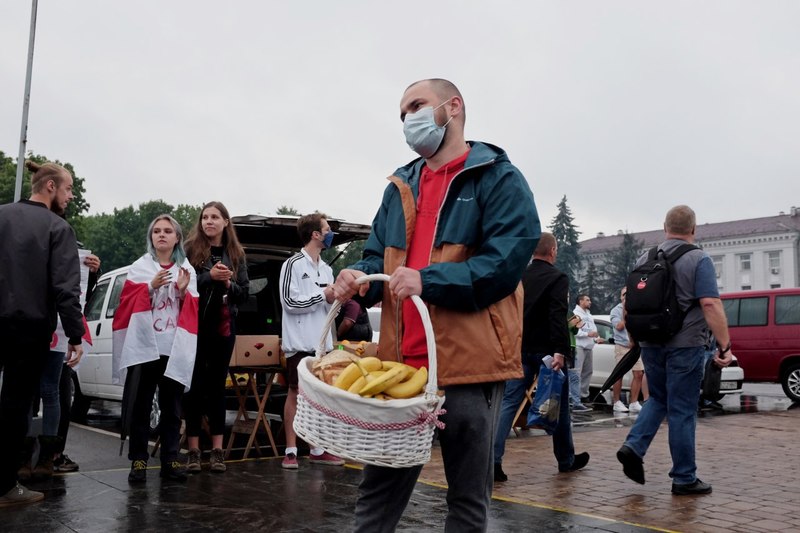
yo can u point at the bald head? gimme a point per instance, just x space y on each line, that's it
444 90
680 220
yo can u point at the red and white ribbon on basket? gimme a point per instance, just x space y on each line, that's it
423 419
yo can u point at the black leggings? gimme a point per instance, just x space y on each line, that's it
170 393
65 399
207 395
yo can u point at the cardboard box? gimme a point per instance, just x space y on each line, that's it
256 350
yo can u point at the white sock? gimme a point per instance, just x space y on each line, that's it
291 450
317 451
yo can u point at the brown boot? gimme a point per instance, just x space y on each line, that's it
44 466
26 455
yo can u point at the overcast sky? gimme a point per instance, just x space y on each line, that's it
626 107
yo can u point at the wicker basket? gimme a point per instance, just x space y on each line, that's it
392 433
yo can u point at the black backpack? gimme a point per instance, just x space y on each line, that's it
652 313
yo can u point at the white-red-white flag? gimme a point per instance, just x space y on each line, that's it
150 323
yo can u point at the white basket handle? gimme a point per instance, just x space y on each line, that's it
433 382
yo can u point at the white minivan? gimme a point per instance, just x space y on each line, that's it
94 371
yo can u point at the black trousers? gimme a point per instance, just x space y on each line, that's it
207 395
170 393
65 400
22 359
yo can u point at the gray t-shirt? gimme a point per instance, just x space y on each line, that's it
694 279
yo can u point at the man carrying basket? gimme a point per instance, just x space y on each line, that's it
457 228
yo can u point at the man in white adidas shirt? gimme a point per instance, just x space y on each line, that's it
306 297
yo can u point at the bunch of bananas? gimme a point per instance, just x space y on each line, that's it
331 365
386 380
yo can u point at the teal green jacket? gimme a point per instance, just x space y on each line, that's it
486 232
489 209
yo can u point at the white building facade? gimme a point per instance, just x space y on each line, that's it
753 254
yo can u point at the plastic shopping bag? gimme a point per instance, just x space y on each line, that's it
547 401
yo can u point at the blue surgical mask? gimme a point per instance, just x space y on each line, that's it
327 240
423 135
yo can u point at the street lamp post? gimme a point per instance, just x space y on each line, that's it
23 135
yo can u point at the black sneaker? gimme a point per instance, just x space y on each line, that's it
63 463
631 464
173 470
698 487
138 472
499 475
578 462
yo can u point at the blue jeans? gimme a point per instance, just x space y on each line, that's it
48 389
574 386
674 376
563 447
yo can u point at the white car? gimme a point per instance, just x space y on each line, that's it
604 362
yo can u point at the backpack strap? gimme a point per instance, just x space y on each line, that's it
677 254
679 251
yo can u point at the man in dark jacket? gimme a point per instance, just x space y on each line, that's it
544 332
39 277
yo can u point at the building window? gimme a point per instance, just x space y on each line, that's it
774 259
746 287
774 285
717 259
744 262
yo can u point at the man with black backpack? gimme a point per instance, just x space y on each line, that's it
672 300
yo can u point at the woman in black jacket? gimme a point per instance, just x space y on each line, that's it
215 252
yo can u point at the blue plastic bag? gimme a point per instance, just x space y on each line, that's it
547 401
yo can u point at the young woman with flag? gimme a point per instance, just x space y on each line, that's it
155 340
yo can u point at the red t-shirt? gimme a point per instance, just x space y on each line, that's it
433 185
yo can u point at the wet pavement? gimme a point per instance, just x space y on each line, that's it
748 451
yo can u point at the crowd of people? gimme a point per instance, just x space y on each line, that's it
457 226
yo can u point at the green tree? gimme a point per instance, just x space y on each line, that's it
120 238
187 216
343 256
8 179
287 210
566 234
619 262
595 284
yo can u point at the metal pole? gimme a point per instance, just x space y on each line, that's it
23 134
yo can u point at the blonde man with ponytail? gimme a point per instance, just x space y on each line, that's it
39 278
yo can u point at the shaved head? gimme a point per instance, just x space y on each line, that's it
444 89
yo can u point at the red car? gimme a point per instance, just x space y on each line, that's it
765 333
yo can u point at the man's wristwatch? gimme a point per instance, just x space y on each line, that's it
726 349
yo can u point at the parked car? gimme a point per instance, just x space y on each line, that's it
267 240
604 362
765 334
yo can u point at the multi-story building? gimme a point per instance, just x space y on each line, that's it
757 253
